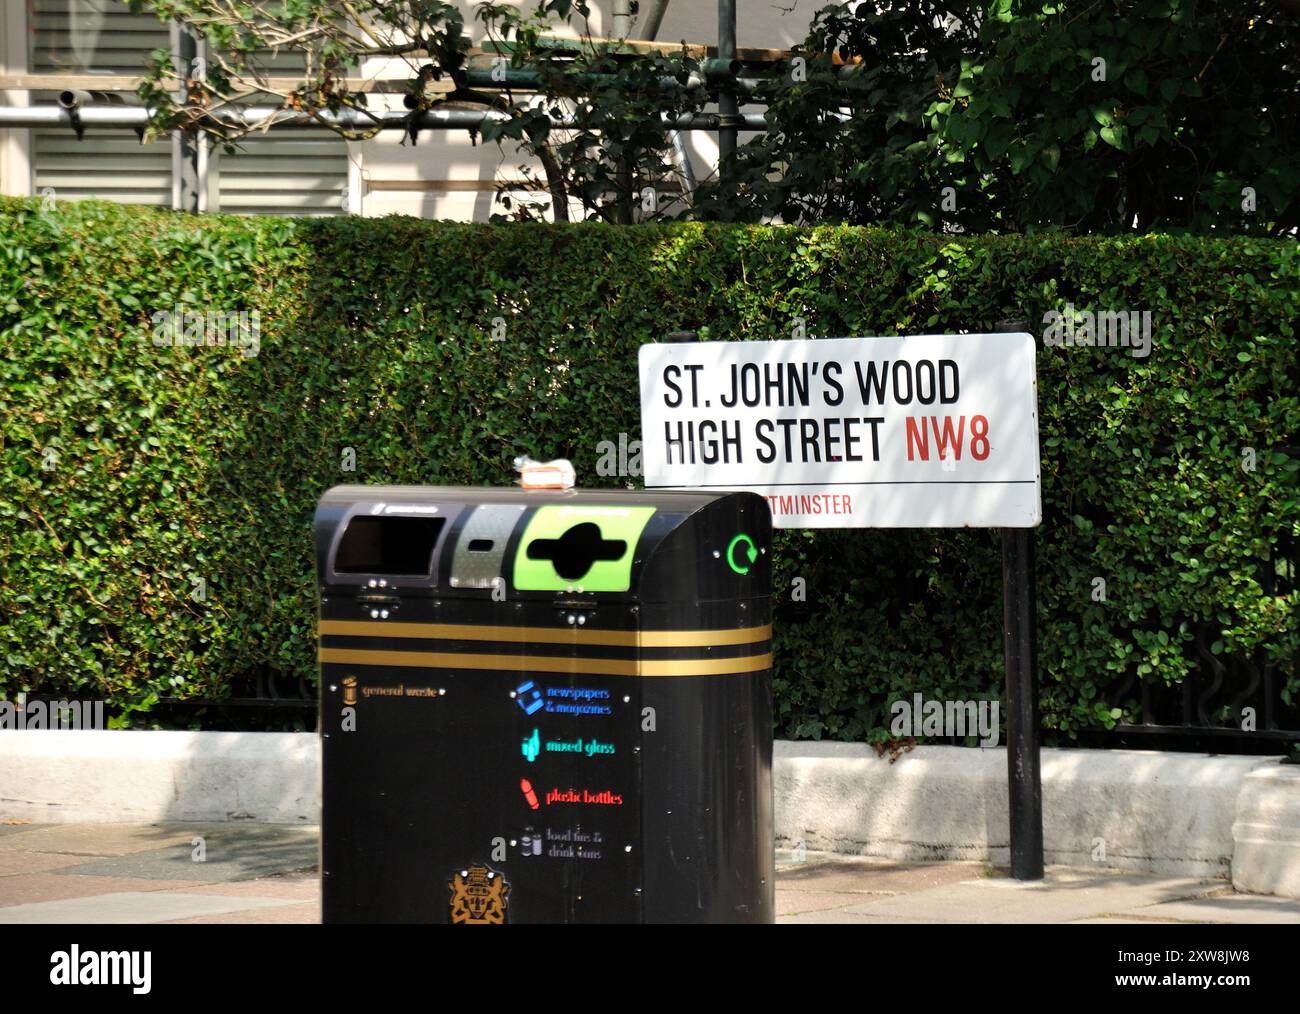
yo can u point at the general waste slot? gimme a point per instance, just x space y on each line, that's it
545 706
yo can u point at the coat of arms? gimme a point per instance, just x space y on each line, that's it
478 897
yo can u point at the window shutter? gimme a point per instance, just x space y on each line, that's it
284 171
294 172
96 37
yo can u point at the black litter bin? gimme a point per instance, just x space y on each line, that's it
545 706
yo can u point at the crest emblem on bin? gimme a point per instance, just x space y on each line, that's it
478 897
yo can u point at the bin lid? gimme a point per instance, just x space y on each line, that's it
625 543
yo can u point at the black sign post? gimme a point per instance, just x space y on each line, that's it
1020 647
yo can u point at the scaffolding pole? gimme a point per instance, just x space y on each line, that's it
728 109
137 118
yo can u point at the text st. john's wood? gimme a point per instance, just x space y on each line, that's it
927 431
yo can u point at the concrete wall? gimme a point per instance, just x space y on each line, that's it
1189 814
1266 833
1124 809
68 777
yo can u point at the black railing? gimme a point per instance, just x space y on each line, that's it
1205 711
1209 708
261 701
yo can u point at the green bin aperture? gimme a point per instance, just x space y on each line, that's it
545 706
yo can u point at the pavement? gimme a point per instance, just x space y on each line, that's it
267 873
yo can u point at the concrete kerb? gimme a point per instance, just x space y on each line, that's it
1165 813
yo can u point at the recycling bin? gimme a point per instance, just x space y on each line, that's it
545 706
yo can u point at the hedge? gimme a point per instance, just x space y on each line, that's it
156 501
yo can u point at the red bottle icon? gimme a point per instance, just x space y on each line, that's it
526 787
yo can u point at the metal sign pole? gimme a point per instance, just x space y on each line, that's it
1020 647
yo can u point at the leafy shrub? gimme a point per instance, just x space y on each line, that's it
133 471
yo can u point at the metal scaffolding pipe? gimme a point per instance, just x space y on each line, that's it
622 18
712 72
58 116
654 19
71 98
727 107
681 156
137 118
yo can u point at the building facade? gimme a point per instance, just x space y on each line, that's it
47 46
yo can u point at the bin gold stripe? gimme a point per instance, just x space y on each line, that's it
549 663
550 635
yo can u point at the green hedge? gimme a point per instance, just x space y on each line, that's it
132 471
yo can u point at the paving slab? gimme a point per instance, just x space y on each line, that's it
1062 896
227 857
267 873
94 839
285 888
800 902
13 864
39 887
840 917
300 913
1224 907
132 907
875 876
8 827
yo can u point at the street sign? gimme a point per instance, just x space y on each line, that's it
932 431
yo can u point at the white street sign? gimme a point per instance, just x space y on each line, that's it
933 431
